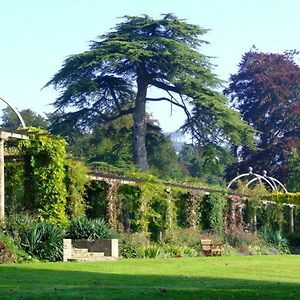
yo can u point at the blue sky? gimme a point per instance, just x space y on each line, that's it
37 35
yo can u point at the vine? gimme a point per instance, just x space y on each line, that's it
212 212
46 168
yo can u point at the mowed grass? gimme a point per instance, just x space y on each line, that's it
238 277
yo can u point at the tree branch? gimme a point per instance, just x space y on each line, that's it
164 86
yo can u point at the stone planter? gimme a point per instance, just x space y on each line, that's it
90 250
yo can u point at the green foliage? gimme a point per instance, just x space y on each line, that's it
16 223
111 80
249 213
132 245
138 246
31 119
6 255
212 212
95 196
294 239
47 167
43 240
271 216
14 186
280 198
76 180
129 196
157 212
162 158
293 182
274 238
183 237
83 228
39 239
207 163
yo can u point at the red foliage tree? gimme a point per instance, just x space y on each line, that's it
266 90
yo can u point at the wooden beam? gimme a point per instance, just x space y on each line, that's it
4 135
2 203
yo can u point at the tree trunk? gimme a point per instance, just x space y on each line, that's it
139 127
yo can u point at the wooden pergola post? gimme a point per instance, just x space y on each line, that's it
2 205
5 135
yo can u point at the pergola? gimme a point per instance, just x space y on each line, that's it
7 134
275 186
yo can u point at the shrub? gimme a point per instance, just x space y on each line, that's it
274 238
173 251
15 224
237 238
294 239
152 251
43 240
189 237
19 255
83 228
6 255
133 245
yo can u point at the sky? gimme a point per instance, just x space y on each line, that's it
38 35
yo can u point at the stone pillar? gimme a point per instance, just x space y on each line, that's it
111 205
291 219
67 249
255 220
2 204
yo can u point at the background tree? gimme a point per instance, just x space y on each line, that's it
293 182
112 78
10 119
111 143
266 91
207 163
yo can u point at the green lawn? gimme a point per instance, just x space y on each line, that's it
238 277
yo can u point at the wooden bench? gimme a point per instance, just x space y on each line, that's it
209 248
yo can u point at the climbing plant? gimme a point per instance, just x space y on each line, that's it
129 196
95 196
75 180
212 212
45 157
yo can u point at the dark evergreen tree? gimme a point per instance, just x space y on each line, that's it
112 78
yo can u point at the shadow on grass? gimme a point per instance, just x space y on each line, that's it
25 283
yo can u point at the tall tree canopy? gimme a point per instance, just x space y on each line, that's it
266 90
31 118
112 78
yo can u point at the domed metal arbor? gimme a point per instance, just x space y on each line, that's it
272 182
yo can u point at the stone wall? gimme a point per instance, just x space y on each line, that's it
106 248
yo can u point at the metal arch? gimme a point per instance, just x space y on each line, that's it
274 188
236 178
272 182
16 112
244 175
277 181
